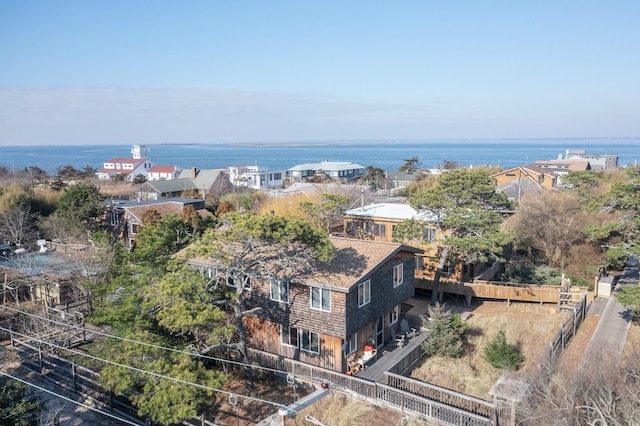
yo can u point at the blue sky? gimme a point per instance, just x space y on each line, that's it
121 71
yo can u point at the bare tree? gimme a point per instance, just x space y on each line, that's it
16 224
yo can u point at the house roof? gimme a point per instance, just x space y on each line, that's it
171 185
163 169
397 211
577 165
204 178
126 160
327 166
164 209
353 261
402 176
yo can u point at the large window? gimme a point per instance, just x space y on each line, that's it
397 275
309 341
429 234
380 229
289 336
321 299
364 293
280 291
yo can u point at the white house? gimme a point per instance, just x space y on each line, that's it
163 173
131 167
255 177
340 170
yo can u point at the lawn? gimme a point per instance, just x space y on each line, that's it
528 326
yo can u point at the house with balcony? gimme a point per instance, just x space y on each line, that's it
334 309
343 171
138 164
377 222
256 177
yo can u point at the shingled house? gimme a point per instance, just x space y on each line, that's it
324 316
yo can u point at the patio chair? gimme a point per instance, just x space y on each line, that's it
406 330
399 340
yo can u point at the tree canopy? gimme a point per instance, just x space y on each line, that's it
465 208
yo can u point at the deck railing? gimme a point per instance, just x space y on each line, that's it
383 394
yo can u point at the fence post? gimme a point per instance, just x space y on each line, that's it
73 376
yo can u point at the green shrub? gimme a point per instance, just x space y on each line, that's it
501 354
445 333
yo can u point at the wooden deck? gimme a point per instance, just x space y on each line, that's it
388 357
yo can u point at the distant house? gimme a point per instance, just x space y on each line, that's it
130 167
255 177
339 170
322 317
598 162
163 173
377 221
539 177
191 182
126 216
399 180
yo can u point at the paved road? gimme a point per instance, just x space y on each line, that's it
611 334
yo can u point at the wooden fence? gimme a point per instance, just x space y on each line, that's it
73 378
383 394
436 393
568 329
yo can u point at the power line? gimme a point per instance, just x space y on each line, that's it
69 399
139 370
125 339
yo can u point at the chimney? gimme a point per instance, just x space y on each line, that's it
194 172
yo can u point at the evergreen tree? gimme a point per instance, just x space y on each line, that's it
445 333
500 354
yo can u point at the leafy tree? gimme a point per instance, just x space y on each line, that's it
445 333
119 177
464 207
411 165
57 184
163 400
249 246
18 406
139 179
328 212
88 171
501 354
37 173
182 303
68 172
629 296
374 177
158 239
81 205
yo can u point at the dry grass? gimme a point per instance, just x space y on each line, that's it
632 347
528 326
122 190
340 410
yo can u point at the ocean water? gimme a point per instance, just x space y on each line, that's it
385 155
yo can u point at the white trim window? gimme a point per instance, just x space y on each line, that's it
280 291
289 336
364 293
321 299
351 345
309 341
398 277
394 315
